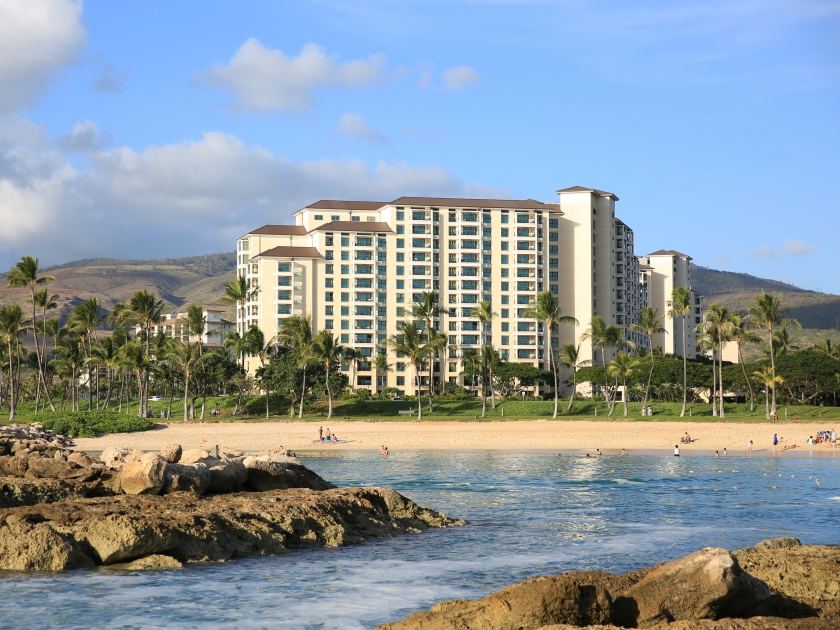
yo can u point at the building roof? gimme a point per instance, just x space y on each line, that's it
600 193
458 202
285 251
280 230
644 267
338 204
353 226
670 252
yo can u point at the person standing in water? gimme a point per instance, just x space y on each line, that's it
676 450
749 447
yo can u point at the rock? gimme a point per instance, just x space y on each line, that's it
227 476
193 455
155 561
135 455
114 456
16 492
560 599
187 478
13 466
143 476
171 453
755 623
39 547
803 579
119 537
271 475
708 584
80 459
50 468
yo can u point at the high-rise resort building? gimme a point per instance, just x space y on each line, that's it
356 267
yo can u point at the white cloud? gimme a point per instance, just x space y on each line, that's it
37 39
266 80
109 80
425 80
459 78
355 126
177 199
791 246
83 138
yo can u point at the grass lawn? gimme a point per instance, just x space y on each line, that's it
470 410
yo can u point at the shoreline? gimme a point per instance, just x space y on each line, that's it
550 436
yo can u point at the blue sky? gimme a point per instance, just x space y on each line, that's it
145 129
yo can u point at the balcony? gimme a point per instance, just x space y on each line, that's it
360 338
363 297
363 255
364 324
362 241
525 246
469 271
364 269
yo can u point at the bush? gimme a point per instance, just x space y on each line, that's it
90 423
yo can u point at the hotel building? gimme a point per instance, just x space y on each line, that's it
356 266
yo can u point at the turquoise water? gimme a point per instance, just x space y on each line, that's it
529 514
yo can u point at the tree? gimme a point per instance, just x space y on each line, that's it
408 341
716 322
237 344
238 291
768 313
621 367
783 343
70 359
45 302
25 275
569 357
484 314
649 322
547 309
296 332
259 347
769 380
353 358
13 324
327 351
104 354
380 363
741 329
603 337
828 348
680 307
85 320
185 357
426 308
707 342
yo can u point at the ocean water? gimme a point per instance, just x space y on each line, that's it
529 514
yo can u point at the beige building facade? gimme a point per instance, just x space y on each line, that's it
356 267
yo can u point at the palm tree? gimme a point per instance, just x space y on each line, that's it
621 367
547 309
828 348
25 274
649 322
769 314
238 345
707 343
680 307
45 302
196 325
408 341
603 337
259 347
13 324
296 332
769 380
426 308
784 343
238 291
85 320
716 321
353 357
484 314
741 329
569 357
105 354
184 356
380 363
326 350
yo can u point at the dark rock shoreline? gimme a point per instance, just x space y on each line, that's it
778 584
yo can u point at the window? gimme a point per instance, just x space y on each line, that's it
418 284
401 381
345 255
364 283
469 285
400 366
552 236
401 284
552 262
345 283
486 246
284 309
553 288
400 311
505 261
400 242
328 324
469 230
328 283
345 297
401 298
505 246
345 241
418 242
505 232
486 232
381 257
345 337
400 229
505 300
328 269
364 269
400 215
523 299
485 218
523 286
505 340
355 218
381 242
345 269
285 281
319 217
470 298
284 267
328 240
400 270
469 216
505 285
486 285
345 311
382 325
486 272
552 249
328 254
328 296
335 217
552 275
505 218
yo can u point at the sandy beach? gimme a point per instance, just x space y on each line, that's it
510 435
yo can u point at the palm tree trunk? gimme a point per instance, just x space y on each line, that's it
419 397
714 385
484 385
767 402
64 398
122 385
267 400
613 401
685 368
606 381
720 375
773 369
11 384
553 365
624 398
647 389
41 379
97 388
746 378
329 393
431 362
108 393
302 393
492 389
574 388
186 395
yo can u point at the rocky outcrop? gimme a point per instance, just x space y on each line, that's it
709 589
189 528
143 474
171 453
269 472
193 478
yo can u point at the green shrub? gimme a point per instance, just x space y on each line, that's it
91 423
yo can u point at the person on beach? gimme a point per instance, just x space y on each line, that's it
687 438
724 451
749 447
328 435
321 434
775 442
676 450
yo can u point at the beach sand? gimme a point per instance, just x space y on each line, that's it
580 435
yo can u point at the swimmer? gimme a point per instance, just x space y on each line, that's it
588 456
724 451
676 450
597 451
717 454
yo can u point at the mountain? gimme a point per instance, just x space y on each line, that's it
178 281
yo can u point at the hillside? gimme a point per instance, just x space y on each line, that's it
178 281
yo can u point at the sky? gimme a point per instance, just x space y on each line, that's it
162 129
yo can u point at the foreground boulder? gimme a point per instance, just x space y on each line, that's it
280 472
188 528
193 478
143 474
